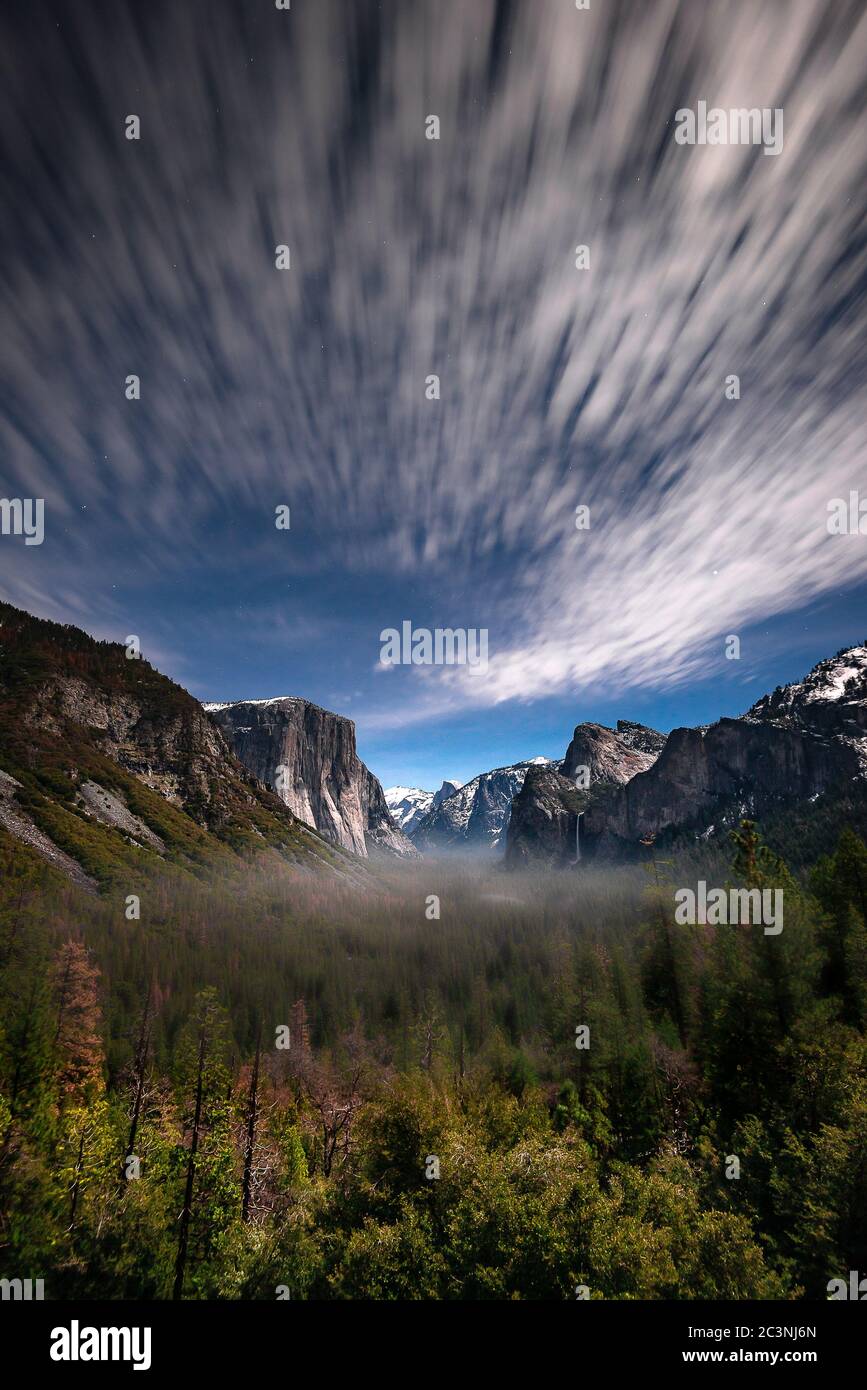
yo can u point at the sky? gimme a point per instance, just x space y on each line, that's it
409 257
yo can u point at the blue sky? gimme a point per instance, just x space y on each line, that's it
559 387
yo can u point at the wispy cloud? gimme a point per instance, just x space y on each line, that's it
559 387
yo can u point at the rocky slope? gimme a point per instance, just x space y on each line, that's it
409 805
110 767
476 816
308 756
830 701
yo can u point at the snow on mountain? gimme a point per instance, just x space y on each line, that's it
409 805
837 682
212 706
831 702
799 743
477 814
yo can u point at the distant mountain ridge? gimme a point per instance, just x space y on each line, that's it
477 814
409 805
801 742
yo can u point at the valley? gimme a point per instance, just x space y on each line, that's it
346 999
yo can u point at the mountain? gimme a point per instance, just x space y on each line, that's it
108 768
786 760
476 815
609 755
307 754
543 824
800 743
830 701
409 805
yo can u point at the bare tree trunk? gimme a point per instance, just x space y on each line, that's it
77 1183
141 1055
181 1261
251 1132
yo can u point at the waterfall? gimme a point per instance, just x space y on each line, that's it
578 837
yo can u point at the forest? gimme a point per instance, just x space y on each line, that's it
281 1085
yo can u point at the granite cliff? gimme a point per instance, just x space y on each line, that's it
613 756
542 826
790 748
308 756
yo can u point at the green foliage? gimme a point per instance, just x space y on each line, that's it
555 1167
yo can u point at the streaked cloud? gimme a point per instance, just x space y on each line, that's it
409 257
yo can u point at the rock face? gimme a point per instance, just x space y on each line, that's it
752 767
543 827
446 790
308 756
409 805
476 816
790 747
613 757
143 722
22 827
543 823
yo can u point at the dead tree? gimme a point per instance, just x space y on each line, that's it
181 1261
140 1065
251 1131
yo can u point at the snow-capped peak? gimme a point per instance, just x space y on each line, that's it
838 680
478 812
834 690
842 677
408 805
